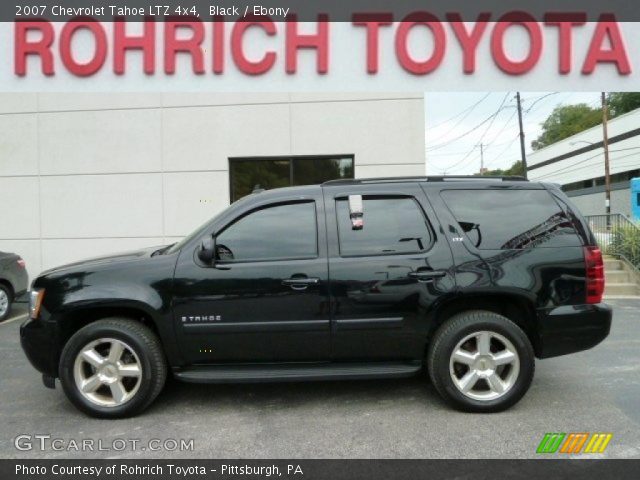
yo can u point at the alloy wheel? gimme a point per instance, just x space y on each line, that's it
484 365
107 372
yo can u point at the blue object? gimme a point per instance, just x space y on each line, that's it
635 199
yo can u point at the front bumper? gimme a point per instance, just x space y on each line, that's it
572 328
39 339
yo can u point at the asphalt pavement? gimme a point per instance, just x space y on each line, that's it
593 391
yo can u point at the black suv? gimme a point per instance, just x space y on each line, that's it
469 278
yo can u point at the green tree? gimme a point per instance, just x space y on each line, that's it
622 102
514 170
565 121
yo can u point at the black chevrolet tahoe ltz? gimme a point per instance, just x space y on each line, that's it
468 278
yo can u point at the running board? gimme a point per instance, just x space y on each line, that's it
295 372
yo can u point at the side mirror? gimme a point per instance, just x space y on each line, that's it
207 250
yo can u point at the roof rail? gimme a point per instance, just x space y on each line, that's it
504 178
438 178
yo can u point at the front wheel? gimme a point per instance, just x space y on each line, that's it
481 362
112 368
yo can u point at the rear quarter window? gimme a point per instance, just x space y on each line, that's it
510 219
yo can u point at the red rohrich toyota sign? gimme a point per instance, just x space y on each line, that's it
420 42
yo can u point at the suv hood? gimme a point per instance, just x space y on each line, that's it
130 256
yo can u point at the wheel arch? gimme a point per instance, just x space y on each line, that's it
76 318
516 307
73 319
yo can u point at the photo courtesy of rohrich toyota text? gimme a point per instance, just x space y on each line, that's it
319 239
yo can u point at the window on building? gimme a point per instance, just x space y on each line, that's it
274 233
248 173
616 178
391 226
510 219
581 185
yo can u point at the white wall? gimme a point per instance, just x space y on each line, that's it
87 174
623 155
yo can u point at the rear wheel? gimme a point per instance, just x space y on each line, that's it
481 362
112 368
5 303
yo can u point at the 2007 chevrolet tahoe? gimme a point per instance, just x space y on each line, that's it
468 278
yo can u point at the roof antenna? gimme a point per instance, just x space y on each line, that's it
257 188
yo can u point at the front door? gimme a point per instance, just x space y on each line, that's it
386 276
266 298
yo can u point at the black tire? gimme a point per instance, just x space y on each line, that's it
454 331
7 292
142 341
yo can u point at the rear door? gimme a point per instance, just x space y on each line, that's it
384 277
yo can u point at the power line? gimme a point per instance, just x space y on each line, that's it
525 112
504 151
506 124
479 143
468 109
532 116
488 119
491 120
446 154
538 100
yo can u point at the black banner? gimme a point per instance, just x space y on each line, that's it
336 11
319 469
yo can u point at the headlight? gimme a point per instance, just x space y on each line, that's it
35 301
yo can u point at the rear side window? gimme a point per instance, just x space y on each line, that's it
392 225
510 219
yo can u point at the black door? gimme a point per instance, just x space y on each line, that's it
386 276
266 299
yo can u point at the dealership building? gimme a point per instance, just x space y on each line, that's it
577 163
89 174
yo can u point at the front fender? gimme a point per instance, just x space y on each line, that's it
67 312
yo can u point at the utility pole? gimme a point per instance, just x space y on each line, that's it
522 153
605 143
481 160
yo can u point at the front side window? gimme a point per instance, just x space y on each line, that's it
390 226
510 219
286 231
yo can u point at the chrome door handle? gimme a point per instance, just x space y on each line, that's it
427 275
300 283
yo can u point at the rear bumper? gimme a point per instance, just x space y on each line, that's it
572 328
38 340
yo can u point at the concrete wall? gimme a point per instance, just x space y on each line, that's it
593 204
87 174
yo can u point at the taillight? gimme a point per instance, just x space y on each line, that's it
21 263
595 274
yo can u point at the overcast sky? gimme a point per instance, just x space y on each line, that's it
455 128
